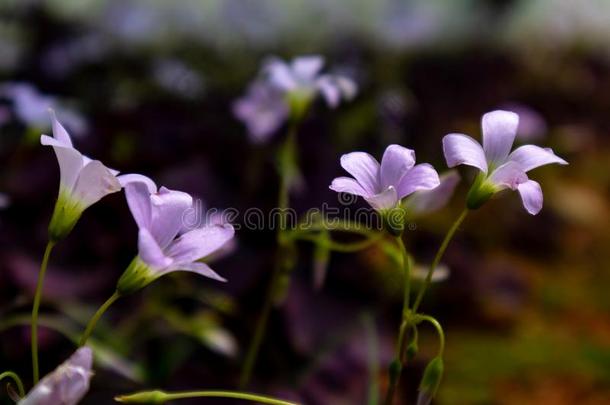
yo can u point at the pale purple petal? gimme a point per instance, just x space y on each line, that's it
499 131
347 86
150 251
125 179
395 163
330 91
168 210
199 268
461 149
531 195
280 75
305 68
420 177
426 201
348 185
200 243
384 200
508 175
365 170
70 161
532 156
59 132
94 182
138 199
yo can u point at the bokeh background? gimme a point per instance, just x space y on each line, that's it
147 86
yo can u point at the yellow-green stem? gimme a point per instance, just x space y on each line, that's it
96 317
162 397
439 330
36 306
15 377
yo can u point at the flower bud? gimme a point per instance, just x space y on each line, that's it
137 276
145 397
412 349
65 216
430 381
395 369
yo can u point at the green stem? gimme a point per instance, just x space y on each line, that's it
438 257
439 330
35 308
15 377
339 246
96 317
159 397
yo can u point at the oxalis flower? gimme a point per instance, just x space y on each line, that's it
67 385
82 182
500 169
163 244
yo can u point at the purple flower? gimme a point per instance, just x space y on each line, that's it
263 110
500 169
82 181
67 385
383 186
427 201
162 247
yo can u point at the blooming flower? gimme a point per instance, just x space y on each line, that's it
427 201
82 182
162 247
67 385
383 186
500 169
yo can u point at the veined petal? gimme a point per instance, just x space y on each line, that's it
70 161
94 182
168 209
531 195
197 267
305 68
395 163
348 185
150 252
460 149
59 132
421 177
431 200
200 243
532 156
499 130
364 168
384 200
508 175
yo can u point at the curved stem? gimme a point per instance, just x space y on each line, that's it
15 377
162 397
96 317
438 257
35 308
341 247
439 330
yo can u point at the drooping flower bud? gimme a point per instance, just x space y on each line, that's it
430 381
144 397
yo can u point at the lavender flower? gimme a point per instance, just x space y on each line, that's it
427 201
383 186
159 216
82 182
500 169
67 385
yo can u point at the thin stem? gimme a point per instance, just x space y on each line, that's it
373 358
96 317
439 330
15 377
339 246
438 257
35 308
164 397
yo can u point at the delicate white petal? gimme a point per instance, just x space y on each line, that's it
150 251
197 267
125 179
348 185
59 132
200 243
531 195
384 200
508 175
461 149
432 200
168 210
305 68
365 170
70 161
395 163
420 177
94 182
499 131
532 156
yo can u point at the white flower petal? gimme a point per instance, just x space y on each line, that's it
532 156
499 131
59 132
94 182
70 161
531 195
461 149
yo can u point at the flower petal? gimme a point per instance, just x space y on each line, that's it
126 179
364 168
499 130
138 195
305 68
461 149
395 163
70 161
426 201
330 91
384 200
532 156
168 210
197 267
420 177
531 195
280 75
200 243
348 185
508 175
150 252
59 132
94 182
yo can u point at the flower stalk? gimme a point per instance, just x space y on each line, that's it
15 377
96 317
160 397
